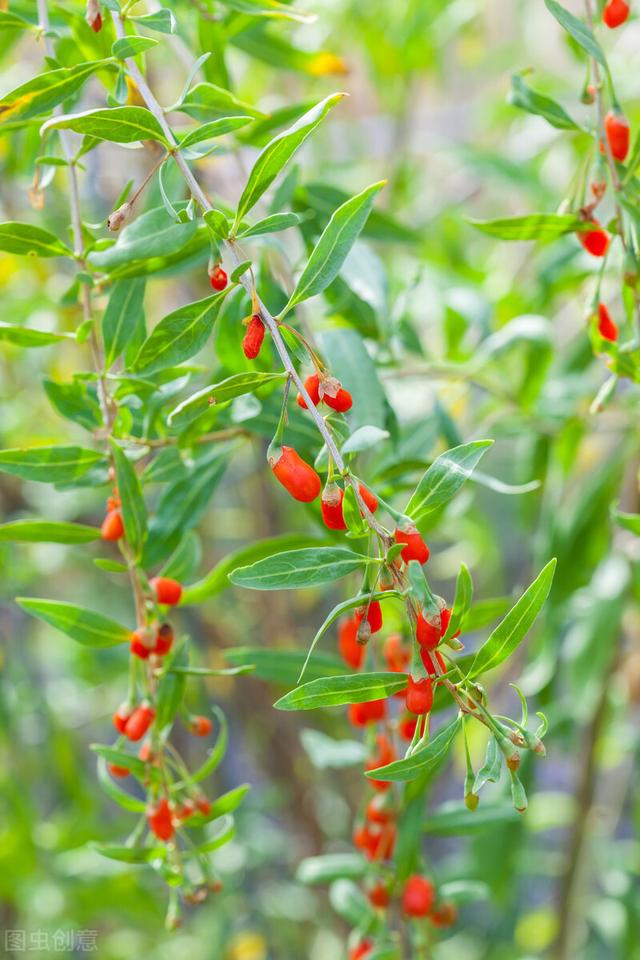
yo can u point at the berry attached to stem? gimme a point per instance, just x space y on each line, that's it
295 475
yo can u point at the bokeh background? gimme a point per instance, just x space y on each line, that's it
472 338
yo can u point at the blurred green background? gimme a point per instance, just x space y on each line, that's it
471 338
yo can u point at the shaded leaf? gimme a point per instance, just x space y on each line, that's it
298 568
86 627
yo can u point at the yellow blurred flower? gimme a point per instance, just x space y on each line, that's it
248 946
325 63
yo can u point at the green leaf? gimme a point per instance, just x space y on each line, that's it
427 759
235 386
118 124
153 234
121 797
336 691
86 627
515 626
461 601
331 866
75 402
491 768
366 437
454 819
283 666
578 30
126 47
269 8
27 337
122 759
444 477
50 464
218 223
123 320
46 91
278 152
349 360
628 521
171 689
162 21
335 242
350 903
216 128
228 802
206 99
180 335
298 568
47 531
525 98
217 579
134 514
27 240
129 854
534 226
273 224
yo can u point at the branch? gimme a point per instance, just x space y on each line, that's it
231 248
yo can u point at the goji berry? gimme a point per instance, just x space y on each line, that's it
379 895
311 385
160 819
606 327
140 721
360 714
370 500
618 134
385 755
143 642
595 240
112 526
167 591
615 13
427 657
252 340
164 639
444 915
218 278
378 810
407 727
203 805
296 476
396 655
331 507
121 716
374 615
145 753
362 950
419 696
200 726
350 650
416 548
117 771
428 632
341 402
418 896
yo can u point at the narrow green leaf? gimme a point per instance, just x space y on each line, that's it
117 124
113 791
444 477
273 224
213 129
269 8
162 21
123 320
26 240
578 30
180 335
461 601
298 568
129 854
428 758
27 337
331 866
50 464
515 626
75 401
278 152
126 47
336 691
44 92
283 666
134 514
86 627
150 235
47 531
525 98
628 521
350 903
235 386
534 226
491 768
454 819
335 242
206 100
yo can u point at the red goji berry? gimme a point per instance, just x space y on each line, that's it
370 500
428 632
341 402
200 726
374 615
444 915
378 810
252 340
203 805
360 714
615 13
407 727
218 278
427 657
145 753
311 385
117 771
331 507
350 650
419 696
379 895
296 476
167 591
121 716
416 548
142 642
164 639
606 327
418 896
395 654
140 721
362 950
112 526
160 819
385 754
618 134
595 240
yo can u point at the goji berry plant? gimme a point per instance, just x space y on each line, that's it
257 399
